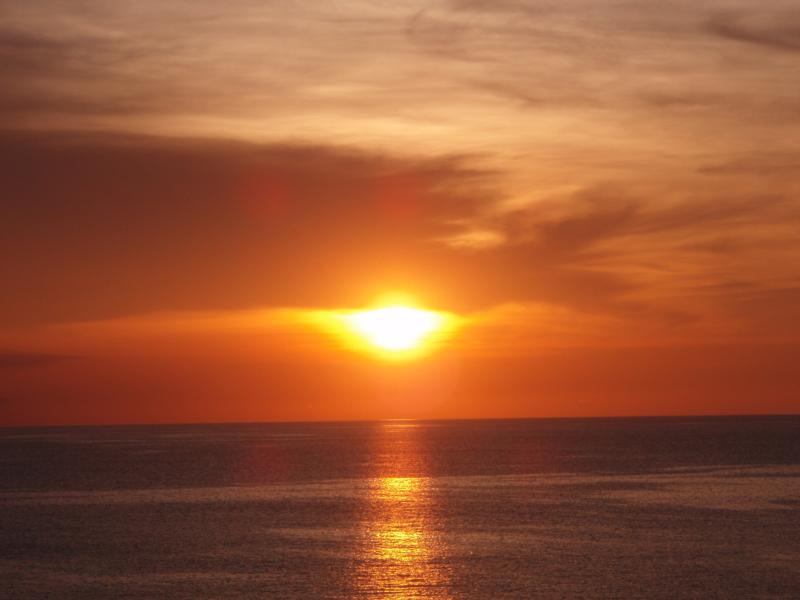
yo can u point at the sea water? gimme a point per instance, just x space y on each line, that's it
592 508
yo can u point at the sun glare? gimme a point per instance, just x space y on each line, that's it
392 329
395 328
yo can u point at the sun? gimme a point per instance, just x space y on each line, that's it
395 328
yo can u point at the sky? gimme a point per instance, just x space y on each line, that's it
603 194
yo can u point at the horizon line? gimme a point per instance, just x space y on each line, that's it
423 420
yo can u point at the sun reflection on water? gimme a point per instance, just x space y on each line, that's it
402 552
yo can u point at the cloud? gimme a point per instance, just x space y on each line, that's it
97 226
554 84
367 171
17 360
123 225
774 29
765 164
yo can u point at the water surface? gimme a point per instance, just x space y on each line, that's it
595 508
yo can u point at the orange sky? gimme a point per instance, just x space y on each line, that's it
604 194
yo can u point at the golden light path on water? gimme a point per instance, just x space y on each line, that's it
402 552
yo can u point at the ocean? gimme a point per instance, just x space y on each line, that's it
700 507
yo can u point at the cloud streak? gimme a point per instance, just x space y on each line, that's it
522 152
123 225
24 360
778 30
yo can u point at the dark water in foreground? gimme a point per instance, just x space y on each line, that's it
617 508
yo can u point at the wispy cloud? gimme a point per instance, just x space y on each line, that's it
132 224
610 158
774 29
23 360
